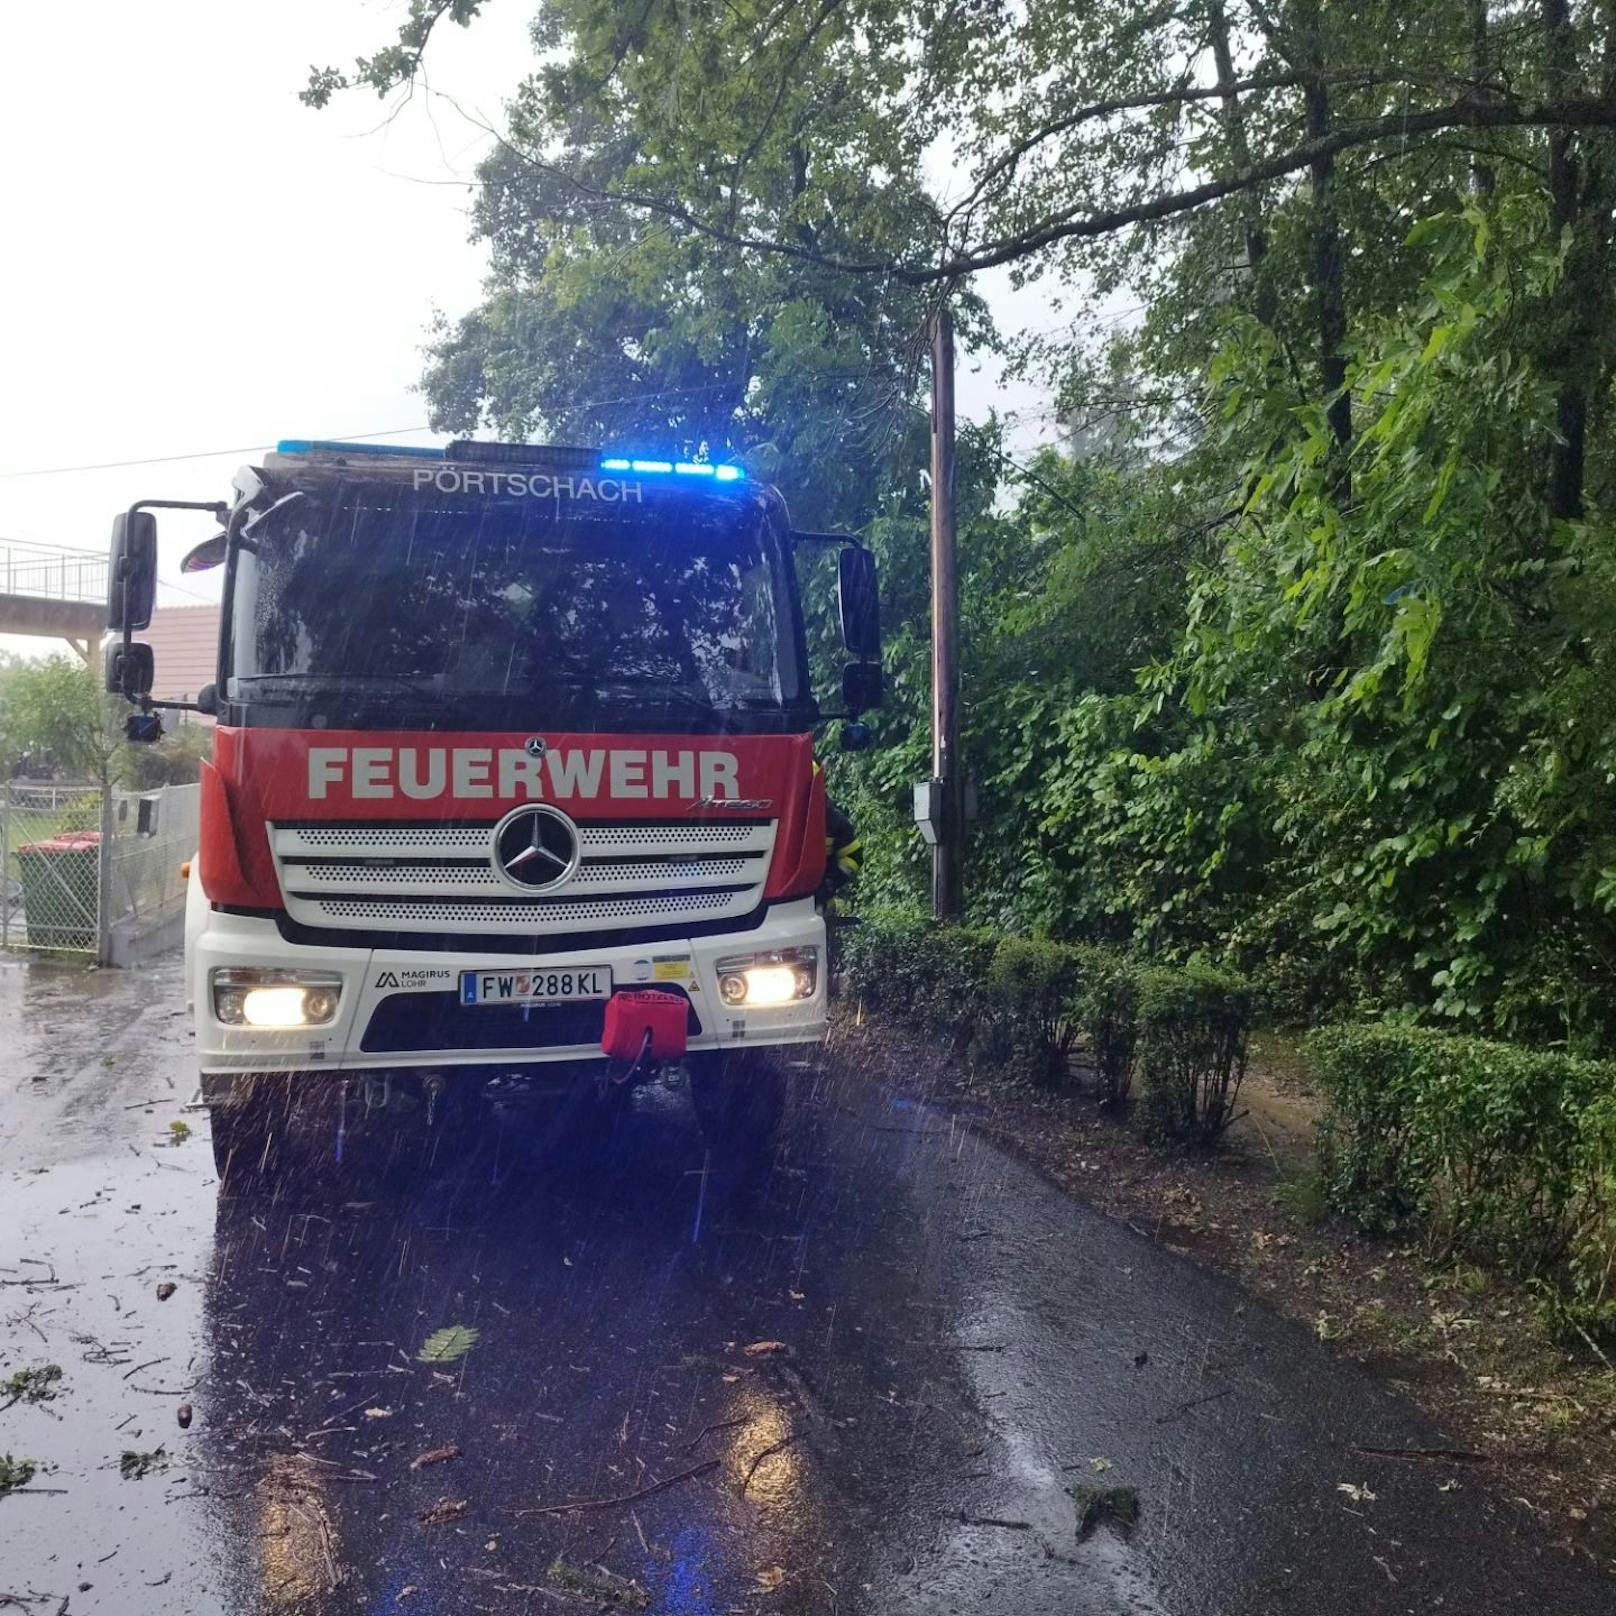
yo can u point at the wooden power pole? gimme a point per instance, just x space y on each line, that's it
947 854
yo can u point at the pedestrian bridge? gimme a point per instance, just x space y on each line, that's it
54 593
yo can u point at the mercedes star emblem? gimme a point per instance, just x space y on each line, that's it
536 746
536 848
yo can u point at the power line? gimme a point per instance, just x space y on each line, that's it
198 454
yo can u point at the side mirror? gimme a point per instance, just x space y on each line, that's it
862 687
130 669
132 575
855 737
143 728
858 599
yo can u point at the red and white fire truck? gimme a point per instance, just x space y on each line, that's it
513 778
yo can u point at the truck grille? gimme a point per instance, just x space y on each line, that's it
427 878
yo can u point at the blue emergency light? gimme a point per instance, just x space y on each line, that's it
677 468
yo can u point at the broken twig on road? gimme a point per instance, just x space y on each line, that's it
625 1498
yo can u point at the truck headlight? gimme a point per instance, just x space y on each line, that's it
245 996
759 981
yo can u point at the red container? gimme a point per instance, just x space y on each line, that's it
633 1017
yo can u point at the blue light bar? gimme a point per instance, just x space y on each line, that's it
304 446
679 468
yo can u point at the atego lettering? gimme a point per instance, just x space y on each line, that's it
486 773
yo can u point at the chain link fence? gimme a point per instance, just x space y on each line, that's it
63 891
50 836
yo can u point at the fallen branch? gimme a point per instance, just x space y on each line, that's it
716 1425
767 1453
1194 1402
1439 1455
625 1498
989 1520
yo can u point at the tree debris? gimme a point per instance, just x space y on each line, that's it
435 1456
767 1453
598 1584
166 1290
446 1345
626 1498
36 1385
446 1509
1116 1506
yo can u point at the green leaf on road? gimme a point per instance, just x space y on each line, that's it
444 1346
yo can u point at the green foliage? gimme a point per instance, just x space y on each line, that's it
54 711
932 976
1033 984
16 1472
176 760
1116 1506
1485 1150
452 1342
1194 1024
1294 659
1016 1006
1106 1005
35 1385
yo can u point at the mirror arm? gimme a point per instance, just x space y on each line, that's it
219 508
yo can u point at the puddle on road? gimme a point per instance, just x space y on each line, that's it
83 1248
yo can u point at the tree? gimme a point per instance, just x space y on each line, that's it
1300 660
56 710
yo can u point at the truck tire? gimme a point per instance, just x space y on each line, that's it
739 1101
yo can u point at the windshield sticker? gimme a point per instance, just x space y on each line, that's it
527 484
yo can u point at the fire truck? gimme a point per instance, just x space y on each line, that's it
513 790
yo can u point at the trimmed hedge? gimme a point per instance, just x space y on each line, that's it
1193 1026
1504 1154
1019 1006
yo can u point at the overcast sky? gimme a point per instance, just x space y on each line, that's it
196 261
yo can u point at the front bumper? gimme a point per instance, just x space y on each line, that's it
382 988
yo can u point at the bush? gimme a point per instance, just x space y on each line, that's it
1193 1028
1018 1005
933 976
1106 1007
1504 1154
1033 986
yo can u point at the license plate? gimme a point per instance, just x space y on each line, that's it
548 986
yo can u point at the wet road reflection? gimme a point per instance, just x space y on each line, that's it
566 1380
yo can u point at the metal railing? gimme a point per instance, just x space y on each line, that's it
37 571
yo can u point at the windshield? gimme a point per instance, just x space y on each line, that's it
420 609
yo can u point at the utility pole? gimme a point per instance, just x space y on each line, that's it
947 854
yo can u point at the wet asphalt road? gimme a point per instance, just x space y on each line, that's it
962 1344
